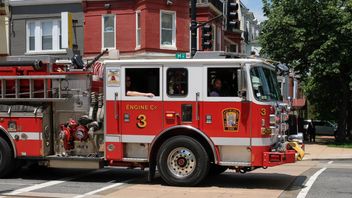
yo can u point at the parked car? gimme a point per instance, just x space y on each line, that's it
322 127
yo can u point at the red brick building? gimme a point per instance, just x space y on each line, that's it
151 28
136 28
206 10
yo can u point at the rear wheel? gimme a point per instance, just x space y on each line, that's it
182 161
7 162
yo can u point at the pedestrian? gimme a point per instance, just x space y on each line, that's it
311 132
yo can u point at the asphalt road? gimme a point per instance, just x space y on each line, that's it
335 181
304 179
45 182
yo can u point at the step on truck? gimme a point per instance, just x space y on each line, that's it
184 119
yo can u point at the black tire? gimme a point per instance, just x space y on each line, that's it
182 161
216 169
7 161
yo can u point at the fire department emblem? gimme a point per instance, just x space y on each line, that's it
231 119
113 77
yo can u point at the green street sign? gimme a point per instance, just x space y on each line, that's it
181 56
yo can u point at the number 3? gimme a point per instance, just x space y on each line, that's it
142 121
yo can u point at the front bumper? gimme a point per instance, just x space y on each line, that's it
296 152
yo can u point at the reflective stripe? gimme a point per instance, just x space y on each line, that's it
262 141
217 141
138 138
242 141
27 135
112 138
130 138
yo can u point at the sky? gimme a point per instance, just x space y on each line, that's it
255 6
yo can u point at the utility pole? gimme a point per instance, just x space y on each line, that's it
193 27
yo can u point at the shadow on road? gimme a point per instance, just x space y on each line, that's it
226 180
274 181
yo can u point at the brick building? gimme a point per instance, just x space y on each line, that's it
4 28
137 28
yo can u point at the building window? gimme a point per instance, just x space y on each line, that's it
43 35
233 48
31 36
138 29
177 82
47 35
109 30
168 29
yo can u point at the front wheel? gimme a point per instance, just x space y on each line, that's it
7 161
182 161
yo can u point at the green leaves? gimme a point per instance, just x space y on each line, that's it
315 38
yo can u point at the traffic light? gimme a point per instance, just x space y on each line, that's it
207 37
232 15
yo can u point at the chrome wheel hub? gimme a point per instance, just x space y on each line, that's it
181 162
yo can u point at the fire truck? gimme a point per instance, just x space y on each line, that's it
184 119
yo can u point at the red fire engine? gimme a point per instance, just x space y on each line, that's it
184 118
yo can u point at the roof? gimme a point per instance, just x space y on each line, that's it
40 2
183 61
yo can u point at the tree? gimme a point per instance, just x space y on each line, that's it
315 38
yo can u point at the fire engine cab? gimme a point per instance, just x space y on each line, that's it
185 118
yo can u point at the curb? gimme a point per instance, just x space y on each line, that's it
318 159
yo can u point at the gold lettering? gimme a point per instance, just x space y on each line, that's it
153 107
140 107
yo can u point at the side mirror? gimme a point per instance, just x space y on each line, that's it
241 83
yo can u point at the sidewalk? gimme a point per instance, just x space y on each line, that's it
319 151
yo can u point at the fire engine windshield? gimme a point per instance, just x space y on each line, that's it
265 84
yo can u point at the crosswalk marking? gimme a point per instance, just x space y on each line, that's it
105 188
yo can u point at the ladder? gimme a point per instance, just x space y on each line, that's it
31 95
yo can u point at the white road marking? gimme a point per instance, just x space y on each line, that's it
303 193
49 183
105 188
330 162
38 186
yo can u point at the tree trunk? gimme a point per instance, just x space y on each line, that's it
349 122
343 109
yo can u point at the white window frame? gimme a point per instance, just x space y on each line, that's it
138 40
142 98
102 32
205 84
230 43
173 45
218 38
214 36
38 33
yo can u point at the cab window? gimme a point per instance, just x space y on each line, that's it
142 80
222 82
177 82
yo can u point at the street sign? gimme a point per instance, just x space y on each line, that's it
181 56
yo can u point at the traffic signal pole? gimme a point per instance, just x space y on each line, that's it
193 27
